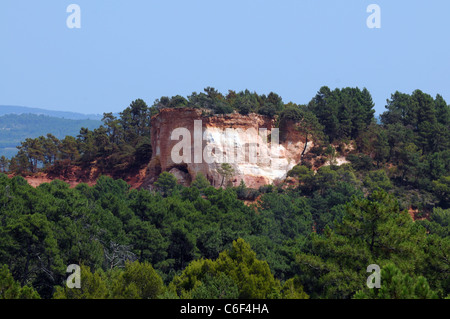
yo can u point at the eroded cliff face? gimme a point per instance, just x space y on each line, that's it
246 142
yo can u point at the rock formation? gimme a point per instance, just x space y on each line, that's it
224 138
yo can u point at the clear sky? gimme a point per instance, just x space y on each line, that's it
146 49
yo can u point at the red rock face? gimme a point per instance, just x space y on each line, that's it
254 175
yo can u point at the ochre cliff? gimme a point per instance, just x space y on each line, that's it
272 163
228 135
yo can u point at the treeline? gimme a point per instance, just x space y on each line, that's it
119 144
123 142
410 147
411 143
15 128
344 113
244 102
313 241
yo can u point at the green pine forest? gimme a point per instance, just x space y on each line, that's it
313 239
15 128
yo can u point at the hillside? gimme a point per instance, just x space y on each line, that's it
357 193
12 109
16 128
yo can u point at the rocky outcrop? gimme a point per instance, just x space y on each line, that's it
205 141
246 142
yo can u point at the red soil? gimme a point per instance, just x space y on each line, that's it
74 175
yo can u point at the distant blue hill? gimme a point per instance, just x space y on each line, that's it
11 109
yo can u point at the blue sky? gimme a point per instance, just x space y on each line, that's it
151 48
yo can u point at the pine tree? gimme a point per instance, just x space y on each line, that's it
11 289
396 285
226 171
166 183
4 164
